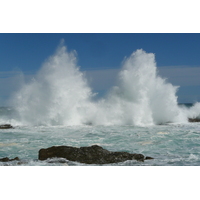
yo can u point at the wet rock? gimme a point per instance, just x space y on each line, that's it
89 155
6 159
5 126
148 158
194 119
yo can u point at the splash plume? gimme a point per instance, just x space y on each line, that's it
61 95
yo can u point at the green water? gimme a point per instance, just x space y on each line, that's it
174 144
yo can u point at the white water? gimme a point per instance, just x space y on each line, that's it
60 95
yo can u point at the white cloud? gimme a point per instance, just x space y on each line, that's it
188 78
182 76
179 76
102 79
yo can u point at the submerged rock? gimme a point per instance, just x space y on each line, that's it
194 119
89 155
148 158
5 126
6 159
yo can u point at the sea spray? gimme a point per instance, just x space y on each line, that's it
192 112
141 96
60 95
57 95
154 99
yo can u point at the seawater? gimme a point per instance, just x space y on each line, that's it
169 145
140 114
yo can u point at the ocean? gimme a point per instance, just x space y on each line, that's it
174 144
140 114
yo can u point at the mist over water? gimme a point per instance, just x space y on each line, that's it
60 95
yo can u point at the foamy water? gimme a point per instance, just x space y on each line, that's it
169 145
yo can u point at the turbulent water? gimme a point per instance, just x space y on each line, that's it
140 114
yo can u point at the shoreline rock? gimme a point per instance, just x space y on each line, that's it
194 119
89 155
6 159
6 126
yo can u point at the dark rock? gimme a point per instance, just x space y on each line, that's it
148 158
194 119
6 159
5 126
89 155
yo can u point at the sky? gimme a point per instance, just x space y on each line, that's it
100 55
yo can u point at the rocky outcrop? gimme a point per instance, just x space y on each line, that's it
5 126
194 119
6 159
89 155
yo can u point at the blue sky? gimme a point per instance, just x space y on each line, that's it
101 55
28 51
